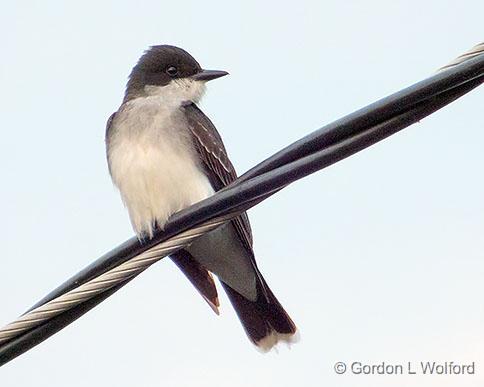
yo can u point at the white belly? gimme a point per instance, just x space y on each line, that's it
155 167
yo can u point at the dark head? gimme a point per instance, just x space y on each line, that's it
163 66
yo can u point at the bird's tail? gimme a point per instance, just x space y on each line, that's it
265 321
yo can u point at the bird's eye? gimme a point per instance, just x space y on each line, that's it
172 71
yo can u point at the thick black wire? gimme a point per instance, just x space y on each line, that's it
335 132
320 149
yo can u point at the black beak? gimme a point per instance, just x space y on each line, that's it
208 75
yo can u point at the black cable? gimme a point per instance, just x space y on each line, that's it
318 150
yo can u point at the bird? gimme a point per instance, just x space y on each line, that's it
164 154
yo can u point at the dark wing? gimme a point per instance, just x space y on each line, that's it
263 318
107 137
219 169
198 276
108 124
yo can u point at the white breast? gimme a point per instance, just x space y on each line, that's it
153 163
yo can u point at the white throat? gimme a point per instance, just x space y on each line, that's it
177 91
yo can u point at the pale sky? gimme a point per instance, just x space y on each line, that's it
378 258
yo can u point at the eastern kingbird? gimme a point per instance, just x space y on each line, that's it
164 155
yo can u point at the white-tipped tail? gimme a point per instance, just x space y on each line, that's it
275 338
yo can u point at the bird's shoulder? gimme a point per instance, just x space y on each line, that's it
109 123
210 146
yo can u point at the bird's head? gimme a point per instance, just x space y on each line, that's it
171 73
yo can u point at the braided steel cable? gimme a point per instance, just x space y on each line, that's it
105 281
478 49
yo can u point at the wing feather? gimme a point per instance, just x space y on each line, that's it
218 166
